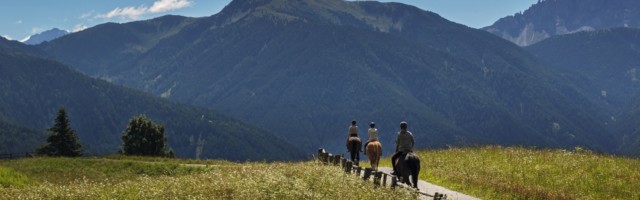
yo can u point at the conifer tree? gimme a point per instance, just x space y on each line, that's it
144 138
63 140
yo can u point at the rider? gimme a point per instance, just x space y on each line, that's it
404 144
373 135
353 130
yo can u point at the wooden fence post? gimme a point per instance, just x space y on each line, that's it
348 168
376 178
384 180
394 182
367 173
329 159
325 158
320 152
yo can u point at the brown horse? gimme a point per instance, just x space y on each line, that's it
374 151
354 145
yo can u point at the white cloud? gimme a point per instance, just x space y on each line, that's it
132 12
79 27
126 12
168 5
19 22
86 15
7 37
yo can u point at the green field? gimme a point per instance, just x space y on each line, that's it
118 177
520 173
488 173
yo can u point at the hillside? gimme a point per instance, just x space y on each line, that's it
33 89
604 64
305 69
548 18
18 139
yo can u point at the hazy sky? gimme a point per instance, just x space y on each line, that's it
21 18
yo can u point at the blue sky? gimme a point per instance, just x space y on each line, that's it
21 18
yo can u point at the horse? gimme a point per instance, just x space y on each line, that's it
354 145
408 165
374 151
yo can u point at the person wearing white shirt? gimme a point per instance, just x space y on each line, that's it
373 134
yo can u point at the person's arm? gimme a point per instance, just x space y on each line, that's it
412 142
397 137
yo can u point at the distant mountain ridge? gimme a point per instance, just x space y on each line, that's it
45 36
556 17
305 69
33 88
605 64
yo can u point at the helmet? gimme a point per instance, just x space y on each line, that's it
403 125
372 125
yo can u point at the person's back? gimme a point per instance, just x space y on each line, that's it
353 130
373 132
404 141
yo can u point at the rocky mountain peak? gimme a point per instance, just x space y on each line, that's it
558 17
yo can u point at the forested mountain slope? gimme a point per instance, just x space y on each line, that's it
305 69
34 88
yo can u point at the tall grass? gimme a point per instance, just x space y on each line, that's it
520 173
9 177
303 180
67 170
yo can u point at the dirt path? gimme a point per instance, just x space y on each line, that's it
431 189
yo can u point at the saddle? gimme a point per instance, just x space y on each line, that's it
402 155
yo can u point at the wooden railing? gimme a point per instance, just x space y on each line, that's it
379 178
6 156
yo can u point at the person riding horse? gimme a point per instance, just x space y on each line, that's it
373 135
404 144
373 148
354 145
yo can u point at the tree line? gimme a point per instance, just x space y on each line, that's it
141 137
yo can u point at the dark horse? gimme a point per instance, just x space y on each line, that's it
408 165
354 145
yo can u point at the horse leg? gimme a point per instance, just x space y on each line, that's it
405 178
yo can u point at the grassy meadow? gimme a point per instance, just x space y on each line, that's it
118 177
520 173
488 172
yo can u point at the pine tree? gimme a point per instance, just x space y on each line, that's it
63 140
143 137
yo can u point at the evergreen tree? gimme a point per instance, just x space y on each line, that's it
143 137
63 140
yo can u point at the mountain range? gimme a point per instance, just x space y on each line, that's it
305 69
302 70
45 36
557 17
34 88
